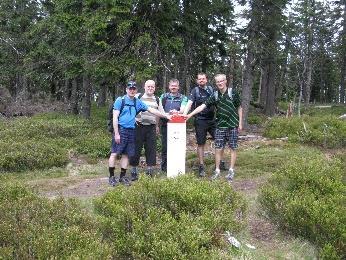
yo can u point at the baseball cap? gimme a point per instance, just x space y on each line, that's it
131 84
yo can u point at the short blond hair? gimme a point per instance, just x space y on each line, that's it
149 81
222 76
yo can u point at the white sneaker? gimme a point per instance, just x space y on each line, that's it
230 175
216 175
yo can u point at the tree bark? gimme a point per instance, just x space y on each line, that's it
101 100
343 59
74 96
247 85
263 85
270 99
86 101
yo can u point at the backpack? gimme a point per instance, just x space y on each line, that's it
209 90
110 112
229 91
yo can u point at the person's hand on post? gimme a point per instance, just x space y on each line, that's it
173 111
117 138
188 116
157 130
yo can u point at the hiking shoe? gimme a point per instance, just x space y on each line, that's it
125 181
230 175
201 171
223 166
150 172
112 181
215 176
134 174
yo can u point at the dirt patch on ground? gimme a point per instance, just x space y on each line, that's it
87 188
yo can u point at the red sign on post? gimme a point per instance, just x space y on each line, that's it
176 118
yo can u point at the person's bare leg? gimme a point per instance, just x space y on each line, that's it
200 152
218 155
124 161
111 161
233 158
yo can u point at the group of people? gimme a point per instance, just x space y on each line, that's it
138 118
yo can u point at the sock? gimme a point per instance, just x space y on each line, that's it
217 170
122 173
111 171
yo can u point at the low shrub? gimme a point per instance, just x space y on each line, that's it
306 197
324 131
181 218
44 141
35 228
31 154
256 119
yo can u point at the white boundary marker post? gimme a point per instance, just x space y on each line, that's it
176 146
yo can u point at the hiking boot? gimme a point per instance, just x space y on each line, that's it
201 171
134 174
112 181
215 175
125 181
150 172
223 166
230 175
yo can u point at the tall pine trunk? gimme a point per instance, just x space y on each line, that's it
86 101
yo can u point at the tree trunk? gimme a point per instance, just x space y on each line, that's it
343 59
263 85
231 72
283 76
270 99
308 81
74 96
86 99
247 85
101 100
66 90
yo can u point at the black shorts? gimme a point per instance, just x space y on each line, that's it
202 128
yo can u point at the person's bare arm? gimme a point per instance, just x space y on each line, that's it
158 113
196 111
115 125
187 107
240 113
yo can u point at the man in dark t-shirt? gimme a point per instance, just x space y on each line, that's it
229 116
204 121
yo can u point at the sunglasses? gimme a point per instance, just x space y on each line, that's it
131 84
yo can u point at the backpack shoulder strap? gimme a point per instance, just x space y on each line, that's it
216 95
140 95
230 93
197 91
210 90
135 105
122 104
157 100
164 99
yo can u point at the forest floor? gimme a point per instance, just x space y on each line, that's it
87 181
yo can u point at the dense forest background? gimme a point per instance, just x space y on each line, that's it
76 50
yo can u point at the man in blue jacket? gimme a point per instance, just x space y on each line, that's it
125 110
